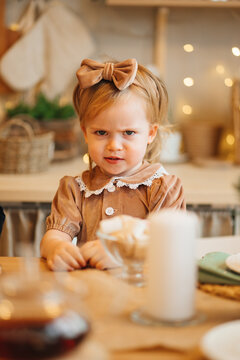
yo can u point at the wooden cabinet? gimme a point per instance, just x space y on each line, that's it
7 38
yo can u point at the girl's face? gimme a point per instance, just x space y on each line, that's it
118 136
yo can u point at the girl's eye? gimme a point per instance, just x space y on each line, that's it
129 132
101 132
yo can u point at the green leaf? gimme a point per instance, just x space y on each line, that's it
21 108
44 109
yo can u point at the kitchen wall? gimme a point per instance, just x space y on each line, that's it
123 32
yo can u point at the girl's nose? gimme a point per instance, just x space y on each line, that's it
114 144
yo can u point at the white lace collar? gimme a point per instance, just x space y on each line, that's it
110 186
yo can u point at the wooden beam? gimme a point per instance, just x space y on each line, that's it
160 46
177 3
236 118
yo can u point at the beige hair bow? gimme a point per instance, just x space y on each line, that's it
92 72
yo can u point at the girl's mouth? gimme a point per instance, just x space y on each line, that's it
113 159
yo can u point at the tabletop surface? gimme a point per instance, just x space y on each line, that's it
110 302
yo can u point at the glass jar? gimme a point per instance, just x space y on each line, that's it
37 317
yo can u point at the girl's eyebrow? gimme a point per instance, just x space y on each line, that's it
133 128
97 128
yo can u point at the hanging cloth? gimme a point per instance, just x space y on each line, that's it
30 15
49 53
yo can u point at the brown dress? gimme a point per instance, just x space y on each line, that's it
81 202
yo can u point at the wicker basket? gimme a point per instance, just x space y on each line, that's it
24 148
69 141
201 139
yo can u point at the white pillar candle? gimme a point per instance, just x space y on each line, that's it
172 265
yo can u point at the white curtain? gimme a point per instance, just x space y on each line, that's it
23 226
215 222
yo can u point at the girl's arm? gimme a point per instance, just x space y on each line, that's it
63 224
61 255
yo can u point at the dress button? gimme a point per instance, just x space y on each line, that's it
111 188
109 211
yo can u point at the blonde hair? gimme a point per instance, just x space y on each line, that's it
91 101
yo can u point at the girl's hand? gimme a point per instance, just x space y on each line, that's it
56 246
94 253
65 257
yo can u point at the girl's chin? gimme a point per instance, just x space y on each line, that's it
111 170
122 173
111 173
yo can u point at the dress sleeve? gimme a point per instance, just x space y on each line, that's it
66 208
166 192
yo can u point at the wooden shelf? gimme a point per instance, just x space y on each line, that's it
177 3
202 185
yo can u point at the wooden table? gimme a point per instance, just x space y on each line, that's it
114 326
11 265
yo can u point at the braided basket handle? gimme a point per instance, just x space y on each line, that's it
19 122
30 120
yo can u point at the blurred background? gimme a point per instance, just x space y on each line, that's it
193 45
194 49
129 31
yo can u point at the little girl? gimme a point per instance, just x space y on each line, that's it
120 107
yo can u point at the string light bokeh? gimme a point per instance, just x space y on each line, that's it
202 63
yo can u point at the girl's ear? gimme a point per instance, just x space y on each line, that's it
152 132
84 133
